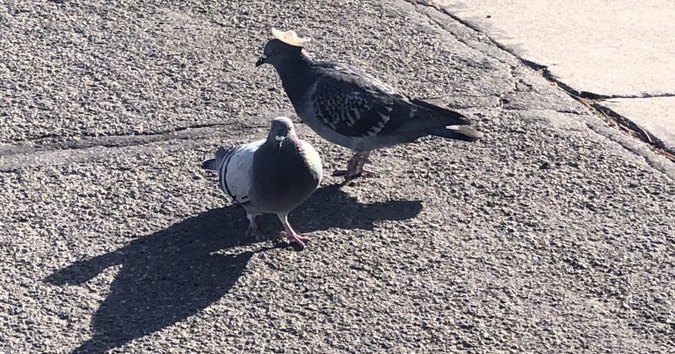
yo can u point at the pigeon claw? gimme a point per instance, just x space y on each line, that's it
363 173
290 233
295 238
351 175
253 231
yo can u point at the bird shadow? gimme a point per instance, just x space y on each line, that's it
174 273
331 207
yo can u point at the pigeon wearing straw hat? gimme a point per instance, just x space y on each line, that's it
353 109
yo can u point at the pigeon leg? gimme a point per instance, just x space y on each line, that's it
290 233
355 167
252 230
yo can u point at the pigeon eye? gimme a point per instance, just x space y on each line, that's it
275 51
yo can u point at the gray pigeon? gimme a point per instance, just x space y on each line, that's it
273 175
353 109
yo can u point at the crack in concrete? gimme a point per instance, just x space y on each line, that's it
643 95
117 140
48 139
591 100
13 157
546 72
633 128
581 96
563 111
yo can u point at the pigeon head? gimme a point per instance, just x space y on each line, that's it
281 129
284 46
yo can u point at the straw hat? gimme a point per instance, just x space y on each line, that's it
290 37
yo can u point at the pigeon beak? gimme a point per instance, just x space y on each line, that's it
280 139
261 60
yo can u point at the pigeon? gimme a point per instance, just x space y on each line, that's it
352 108
273 175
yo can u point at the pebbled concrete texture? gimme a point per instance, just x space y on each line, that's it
552 234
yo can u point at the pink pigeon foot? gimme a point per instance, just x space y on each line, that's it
290 233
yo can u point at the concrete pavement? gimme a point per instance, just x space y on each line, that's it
656 115
551 235
596 49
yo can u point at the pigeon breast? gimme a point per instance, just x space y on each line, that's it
284 177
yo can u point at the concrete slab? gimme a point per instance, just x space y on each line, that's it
121 249
655 115
605 47
549 233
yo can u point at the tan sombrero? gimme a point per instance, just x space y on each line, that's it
290 37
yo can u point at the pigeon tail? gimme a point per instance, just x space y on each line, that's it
446 123
210 165
214 164
433 120
446 116
457 132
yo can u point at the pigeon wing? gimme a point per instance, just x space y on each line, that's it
236 171
355 104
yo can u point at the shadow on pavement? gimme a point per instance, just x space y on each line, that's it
174 273
330 207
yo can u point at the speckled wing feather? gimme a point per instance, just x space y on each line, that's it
355 104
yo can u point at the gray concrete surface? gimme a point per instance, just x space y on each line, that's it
553 234
619 49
